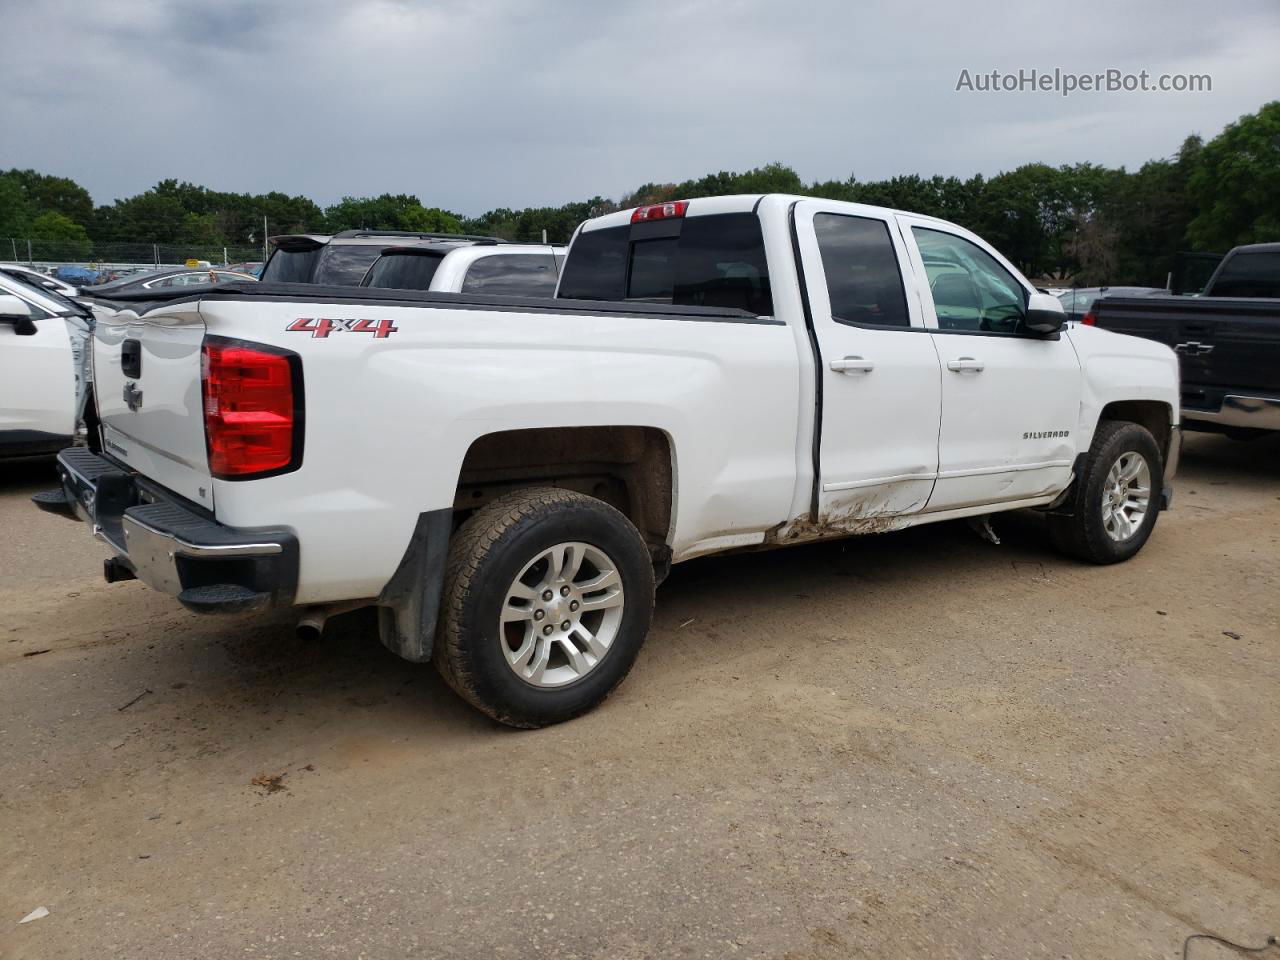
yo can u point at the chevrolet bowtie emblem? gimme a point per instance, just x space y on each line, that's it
132 396
1194 348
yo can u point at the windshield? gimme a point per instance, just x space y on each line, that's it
403 271
1078 301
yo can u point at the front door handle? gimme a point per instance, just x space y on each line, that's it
853 365
966 364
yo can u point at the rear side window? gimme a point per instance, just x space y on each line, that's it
512 275
403 271
863 279
291 266
1249 275
711 261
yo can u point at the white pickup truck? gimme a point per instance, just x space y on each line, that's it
506 479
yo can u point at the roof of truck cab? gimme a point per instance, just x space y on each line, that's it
744 203
1256 248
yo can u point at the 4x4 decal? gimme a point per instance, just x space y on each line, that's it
321 327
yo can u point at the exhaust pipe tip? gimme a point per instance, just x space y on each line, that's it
310 629
311 624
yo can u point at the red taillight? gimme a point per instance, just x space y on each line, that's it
1089 320
252 418
660 211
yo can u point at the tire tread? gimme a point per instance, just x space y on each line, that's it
1070 532
470 546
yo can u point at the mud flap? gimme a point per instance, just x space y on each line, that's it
409 604
1064 505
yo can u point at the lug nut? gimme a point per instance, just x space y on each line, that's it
539 614
573 605
564 591
547 595
566 625
546 631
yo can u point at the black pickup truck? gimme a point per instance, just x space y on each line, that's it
1228 339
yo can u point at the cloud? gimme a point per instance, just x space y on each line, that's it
473 105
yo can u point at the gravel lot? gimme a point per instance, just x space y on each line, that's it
910 745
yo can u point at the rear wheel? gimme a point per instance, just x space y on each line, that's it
548 597
1113 508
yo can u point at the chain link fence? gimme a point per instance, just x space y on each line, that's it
47 253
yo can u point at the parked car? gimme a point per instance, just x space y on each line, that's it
506 479
77 275
1228 338
42 280
506 269
344 258
157 280
1077 301
43 376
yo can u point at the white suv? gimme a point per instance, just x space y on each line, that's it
504 269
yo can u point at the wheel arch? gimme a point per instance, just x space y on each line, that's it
631 467
1155 415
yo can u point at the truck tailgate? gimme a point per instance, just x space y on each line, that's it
147 386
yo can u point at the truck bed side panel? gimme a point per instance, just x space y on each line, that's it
389 420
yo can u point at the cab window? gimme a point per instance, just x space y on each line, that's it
864 283
709 261
970 289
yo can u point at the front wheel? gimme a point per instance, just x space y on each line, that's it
548 596
1113 508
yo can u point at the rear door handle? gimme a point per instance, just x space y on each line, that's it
853 365
966 364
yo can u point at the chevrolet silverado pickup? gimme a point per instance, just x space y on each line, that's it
1228 339
506 479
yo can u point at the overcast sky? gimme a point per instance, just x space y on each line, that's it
475 104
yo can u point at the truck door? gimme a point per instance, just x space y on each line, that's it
879 374
1010 401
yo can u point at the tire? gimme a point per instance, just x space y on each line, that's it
1080 528
505 551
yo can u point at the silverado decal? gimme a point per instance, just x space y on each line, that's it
1045 434
321 327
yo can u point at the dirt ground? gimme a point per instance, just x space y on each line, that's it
909 745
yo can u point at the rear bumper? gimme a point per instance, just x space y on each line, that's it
1248 412
171 546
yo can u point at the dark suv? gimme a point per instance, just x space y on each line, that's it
344 258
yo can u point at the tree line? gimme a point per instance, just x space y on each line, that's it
1081 223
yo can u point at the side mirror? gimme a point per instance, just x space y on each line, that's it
1045 315
14 310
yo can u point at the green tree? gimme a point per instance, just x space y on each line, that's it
44 192
1235 185
428 220
15 211
58 237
